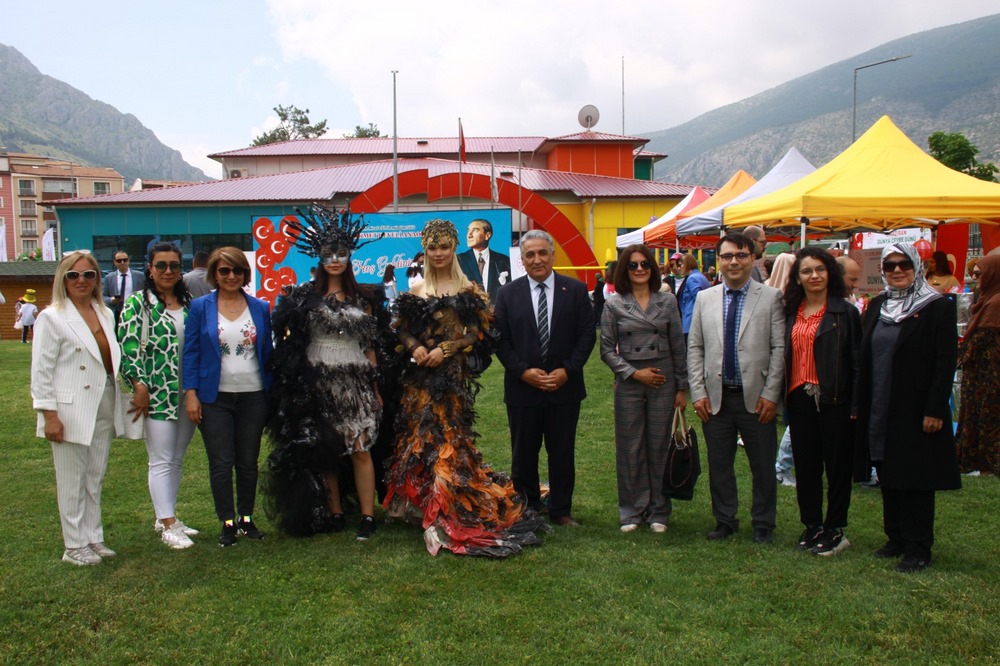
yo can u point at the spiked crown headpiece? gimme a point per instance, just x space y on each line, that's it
323 227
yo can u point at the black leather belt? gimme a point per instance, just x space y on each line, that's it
732 388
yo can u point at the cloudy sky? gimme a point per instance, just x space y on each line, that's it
204 75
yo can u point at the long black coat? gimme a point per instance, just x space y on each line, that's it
923 369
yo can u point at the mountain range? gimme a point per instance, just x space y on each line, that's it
950 82
44 116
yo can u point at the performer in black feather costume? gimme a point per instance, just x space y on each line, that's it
325 401
437 477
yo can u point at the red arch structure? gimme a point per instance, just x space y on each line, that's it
476 186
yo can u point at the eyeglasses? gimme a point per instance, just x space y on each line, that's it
163 266
739 256
224 271
891 266
807 272
72 276
121 261
636 265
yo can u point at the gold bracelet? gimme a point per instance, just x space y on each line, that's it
447 348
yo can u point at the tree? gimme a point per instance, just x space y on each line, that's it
955 151
294 124
362 132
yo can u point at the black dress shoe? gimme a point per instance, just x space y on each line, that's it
888 551
763 535
566 521
913 564
721 532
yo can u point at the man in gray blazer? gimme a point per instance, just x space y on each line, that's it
736 373
121 283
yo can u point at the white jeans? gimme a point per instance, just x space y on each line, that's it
80 476
166 443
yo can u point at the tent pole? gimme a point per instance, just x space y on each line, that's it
804 221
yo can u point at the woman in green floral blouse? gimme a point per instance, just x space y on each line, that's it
157 314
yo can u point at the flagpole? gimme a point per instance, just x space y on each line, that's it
493 181
395 151
461 149
520 215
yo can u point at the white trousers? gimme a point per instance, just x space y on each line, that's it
80 476
166 443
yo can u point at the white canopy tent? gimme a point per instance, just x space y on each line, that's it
637 237
789 169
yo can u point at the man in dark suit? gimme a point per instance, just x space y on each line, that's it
487 268
546 325
736 364
121 283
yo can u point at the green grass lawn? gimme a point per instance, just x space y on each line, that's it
589 595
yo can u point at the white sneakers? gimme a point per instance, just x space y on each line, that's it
175 537
659 528
190 531
101 550
81 557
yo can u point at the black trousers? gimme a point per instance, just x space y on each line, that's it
232 427
556 426
822 438
908 520
760 441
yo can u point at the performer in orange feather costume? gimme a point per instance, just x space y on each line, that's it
437 477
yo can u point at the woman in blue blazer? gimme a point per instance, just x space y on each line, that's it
227 345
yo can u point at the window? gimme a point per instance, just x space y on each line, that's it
102 188
26 188
29 245
28 208
58 186
28 228
1 202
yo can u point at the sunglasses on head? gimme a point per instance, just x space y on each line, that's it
162 266
224 271
636 265
76 275
890 266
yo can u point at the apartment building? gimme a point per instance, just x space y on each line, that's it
29 184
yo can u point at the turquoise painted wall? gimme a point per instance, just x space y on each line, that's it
81 224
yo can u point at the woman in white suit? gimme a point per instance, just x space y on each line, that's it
74 362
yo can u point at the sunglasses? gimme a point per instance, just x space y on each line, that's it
224 271
121 261
739 256
890 266
636 265
977 273
162 266
76 275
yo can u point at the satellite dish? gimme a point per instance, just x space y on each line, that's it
588 116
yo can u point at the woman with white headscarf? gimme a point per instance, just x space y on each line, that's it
908 354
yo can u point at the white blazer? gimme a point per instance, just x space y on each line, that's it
67 372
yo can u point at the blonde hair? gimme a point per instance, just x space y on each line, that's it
455 274
59 295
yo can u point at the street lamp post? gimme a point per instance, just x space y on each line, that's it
395 151
854 104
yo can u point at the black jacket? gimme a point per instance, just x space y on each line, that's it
836 351
923 369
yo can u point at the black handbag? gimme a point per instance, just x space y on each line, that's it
683 460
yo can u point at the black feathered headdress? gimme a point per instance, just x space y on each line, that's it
323 227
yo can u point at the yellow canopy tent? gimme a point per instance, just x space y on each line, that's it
882 181
665 235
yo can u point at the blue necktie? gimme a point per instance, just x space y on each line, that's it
729 349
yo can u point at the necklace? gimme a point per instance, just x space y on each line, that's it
232 308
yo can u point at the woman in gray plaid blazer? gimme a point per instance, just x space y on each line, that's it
643 343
